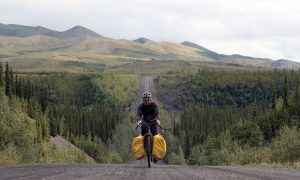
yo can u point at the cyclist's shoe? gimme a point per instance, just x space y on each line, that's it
155 161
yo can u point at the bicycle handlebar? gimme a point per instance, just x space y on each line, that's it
149 123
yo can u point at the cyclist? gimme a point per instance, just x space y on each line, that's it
148 111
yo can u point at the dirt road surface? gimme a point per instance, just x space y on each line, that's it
139 169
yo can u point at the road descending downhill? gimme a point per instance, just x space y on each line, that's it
139 169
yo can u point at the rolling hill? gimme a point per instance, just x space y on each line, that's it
285 64
13 30
235 58
33 47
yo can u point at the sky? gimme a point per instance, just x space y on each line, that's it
257 28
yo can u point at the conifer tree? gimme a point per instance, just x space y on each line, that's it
45 127
297 90
39 132
174 127
273 98
17 85
285 92
53 124
255 112
61 126
7 81
1 74
297 100
11 81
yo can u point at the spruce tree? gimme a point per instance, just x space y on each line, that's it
255 112
7 81
273 98
53 124
61 126
1 74
45 127
285 92
297 89
39 132
17 86
11 81
174 127
297 100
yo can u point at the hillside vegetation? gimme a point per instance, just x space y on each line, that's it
90 110
24 141
228 117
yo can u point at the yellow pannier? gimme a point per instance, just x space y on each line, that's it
137 147
159 147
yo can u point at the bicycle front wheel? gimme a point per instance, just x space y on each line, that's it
148 150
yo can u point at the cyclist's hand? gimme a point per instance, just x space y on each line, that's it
136 125
138 122
158 121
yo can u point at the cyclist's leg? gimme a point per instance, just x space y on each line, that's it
143 130
153 129
154 132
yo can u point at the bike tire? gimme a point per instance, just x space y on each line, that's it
148 150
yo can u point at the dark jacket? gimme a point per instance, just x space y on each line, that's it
149 113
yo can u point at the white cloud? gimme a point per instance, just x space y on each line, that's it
260 28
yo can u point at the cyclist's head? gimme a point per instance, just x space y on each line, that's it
147 98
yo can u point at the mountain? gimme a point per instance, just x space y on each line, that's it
132 49
79 31
193 45
234 59
223 57
285 64
205 51
39 45
13 30
142 40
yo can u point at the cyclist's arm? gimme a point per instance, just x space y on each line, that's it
139 113
156 112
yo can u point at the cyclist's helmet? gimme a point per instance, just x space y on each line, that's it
147 96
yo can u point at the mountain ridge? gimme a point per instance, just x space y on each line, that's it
218 56
19 39
14 30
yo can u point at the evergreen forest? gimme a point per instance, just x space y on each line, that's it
234 117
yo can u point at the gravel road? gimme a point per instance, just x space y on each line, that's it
139 169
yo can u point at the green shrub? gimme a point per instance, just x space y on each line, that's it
286 145
247 134
198 156
10 155
98 150
176 157
252 155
